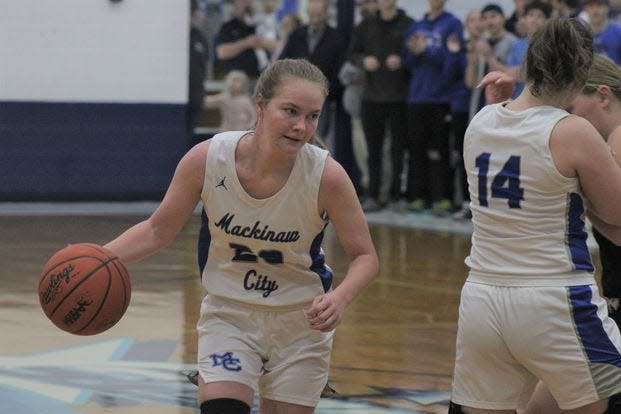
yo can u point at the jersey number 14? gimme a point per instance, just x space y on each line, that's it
506 184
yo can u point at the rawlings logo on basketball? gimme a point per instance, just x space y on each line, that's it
75 313
55 287
84 289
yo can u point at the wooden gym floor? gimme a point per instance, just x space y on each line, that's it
393 353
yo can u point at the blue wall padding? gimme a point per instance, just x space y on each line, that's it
89 151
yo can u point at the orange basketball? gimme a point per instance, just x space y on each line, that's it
84 289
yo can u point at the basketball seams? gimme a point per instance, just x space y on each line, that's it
103 301
124 281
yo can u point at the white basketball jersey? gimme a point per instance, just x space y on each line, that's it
263 251
528 218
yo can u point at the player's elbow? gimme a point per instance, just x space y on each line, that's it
373 264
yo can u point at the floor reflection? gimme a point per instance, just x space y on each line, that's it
393 351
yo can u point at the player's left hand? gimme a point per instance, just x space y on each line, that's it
325 313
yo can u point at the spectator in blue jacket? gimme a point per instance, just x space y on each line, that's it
455 71
606 35
429 108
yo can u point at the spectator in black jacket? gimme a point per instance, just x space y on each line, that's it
237 43
319 43
376 47
323 46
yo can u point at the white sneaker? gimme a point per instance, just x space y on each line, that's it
463 214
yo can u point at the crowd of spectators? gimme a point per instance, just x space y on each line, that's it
402 88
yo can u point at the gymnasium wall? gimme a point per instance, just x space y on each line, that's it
92 98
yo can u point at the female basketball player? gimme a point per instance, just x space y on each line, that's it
267 321
530 306
599 103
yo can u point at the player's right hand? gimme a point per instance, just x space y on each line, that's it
498 86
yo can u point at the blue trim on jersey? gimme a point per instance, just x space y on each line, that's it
204 241
596 343
319 262
576 236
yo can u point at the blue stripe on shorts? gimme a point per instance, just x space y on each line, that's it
596 343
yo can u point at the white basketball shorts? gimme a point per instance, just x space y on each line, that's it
273 352
508 337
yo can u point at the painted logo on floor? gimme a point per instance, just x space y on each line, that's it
120 373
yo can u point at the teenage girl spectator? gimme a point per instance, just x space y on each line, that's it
607 35
455 66
530 308
375 47
236 107
428 100
475 71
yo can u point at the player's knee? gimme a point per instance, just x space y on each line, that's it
224 406
614 404
454 408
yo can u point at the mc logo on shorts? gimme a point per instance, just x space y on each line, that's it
225 361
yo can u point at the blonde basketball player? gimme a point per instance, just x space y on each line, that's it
267 320
530 307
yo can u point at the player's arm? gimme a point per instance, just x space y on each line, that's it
178 204
611 232
337 197
232 49
579 150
